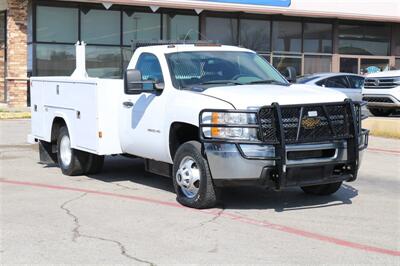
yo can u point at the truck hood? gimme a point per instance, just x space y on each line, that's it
249 96
392 73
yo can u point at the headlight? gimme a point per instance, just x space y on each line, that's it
230 125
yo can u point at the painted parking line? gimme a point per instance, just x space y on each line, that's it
231 216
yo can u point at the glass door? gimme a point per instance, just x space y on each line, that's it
349 65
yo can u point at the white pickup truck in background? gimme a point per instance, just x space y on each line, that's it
382 92
206 115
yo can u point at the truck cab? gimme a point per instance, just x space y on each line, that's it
207 115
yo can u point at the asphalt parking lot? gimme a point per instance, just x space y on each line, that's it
126 216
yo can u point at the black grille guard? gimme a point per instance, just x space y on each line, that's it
348 128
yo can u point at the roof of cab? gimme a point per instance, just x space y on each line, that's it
173 48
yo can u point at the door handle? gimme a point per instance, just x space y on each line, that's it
127 104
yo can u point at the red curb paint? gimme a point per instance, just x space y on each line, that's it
383 150
231 216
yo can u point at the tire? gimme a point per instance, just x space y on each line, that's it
322 190
199 191
380 112
71 161
94 164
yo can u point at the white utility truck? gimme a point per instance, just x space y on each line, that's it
207 115
382 92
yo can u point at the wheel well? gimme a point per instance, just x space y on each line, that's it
180 133
58 122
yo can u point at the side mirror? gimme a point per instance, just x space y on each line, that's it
290 74
133 81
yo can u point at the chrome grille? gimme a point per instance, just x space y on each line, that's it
380 83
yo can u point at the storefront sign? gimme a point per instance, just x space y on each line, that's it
284 3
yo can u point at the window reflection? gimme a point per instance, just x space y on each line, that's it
221 30
56 24
281 62
364 39
55 60
100 26
180 27
317 38
317 63
103 62
286 36
139 26
255 34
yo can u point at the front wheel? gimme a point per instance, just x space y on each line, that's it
192 178
322 190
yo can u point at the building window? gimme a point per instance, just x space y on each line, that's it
54 59
286 36
104 62
370 65
221 30
56 24
317 63
317 38
180 27
255 34
396 39
281 62
397 63
364 39
100 26
138 26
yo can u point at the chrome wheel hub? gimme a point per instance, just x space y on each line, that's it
188 177
65 151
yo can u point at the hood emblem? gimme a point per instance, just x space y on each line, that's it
376 82
310 122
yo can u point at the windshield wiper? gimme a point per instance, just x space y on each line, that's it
235 82
268 81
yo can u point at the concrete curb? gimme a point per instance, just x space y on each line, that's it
383 127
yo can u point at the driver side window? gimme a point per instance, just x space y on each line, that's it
150 68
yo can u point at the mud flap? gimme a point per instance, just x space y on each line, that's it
46 155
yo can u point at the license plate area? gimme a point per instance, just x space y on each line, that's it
311 154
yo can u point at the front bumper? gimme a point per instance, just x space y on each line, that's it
381 101
291 149
258 164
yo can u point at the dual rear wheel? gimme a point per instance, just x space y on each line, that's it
75 162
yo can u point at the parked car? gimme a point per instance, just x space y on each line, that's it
205 115
348 83
382 92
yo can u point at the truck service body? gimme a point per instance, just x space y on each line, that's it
181 109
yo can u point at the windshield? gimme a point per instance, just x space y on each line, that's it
305 79
194 69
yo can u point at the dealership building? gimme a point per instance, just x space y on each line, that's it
37 37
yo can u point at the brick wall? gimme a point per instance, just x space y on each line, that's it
17 54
